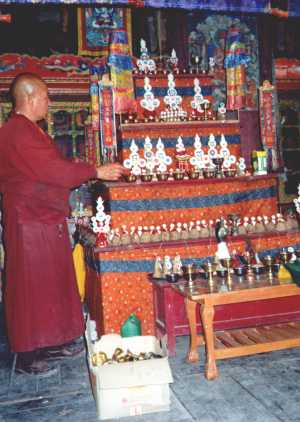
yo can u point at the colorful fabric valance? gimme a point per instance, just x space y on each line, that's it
217 5
255 6
251 6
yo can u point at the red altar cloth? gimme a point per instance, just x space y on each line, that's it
118 278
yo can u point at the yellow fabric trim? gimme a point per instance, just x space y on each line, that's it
79 265
129 30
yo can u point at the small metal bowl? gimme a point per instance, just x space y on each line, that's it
229 172
193 174
172 278
209 173
131 178
239 271
162 176
222 273
258 269
178 175
146 177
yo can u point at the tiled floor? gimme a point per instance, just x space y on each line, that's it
261 388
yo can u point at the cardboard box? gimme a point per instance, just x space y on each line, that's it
129 388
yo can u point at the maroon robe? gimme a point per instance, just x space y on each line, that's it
42 304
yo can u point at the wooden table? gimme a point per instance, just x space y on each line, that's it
238 342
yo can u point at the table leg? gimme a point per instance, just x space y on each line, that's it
195 340
207 315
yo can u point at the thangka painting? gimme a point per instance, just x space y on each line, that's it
208 38
95 28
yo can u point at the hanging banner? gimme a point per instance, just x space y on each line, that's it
267 111
120 64
106 32
108 135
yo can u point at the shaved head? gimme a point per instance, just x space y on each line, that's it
25 84
30 96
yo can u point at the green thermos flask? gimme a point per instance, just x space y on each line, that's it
131 327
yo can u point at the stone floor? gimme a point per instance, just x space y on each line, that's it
261 388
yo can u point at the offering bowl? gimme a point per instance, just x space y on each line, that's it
218 162
193 174
178 175
209 173
172 278
146 177
229 172
258 269
131 178
222 273
239 271
162 176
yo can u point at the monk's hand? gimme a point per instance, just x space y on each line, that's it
110 171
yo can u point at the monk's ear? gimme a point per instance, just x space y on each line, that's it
29 98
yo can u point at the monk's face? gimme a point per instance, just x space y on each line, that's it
40 101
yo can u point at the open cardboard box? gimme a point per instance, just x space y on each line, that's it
129 388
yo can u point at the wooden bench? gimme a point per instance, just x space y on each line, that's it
238 342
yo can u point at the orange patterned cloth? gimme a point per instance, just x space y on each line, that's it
118 278
136 204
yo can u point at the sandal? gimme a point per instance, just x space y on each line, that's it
37 367
70 350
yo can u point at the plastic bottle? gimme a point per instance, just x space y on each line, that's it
131 327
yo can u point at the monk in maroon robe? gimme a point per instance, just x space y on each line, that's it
42 304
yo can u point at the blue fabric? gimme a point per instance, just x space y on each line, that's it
255 6
191 202
120 62
120 37
233 60
132 266
217 5
294 8
235 54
